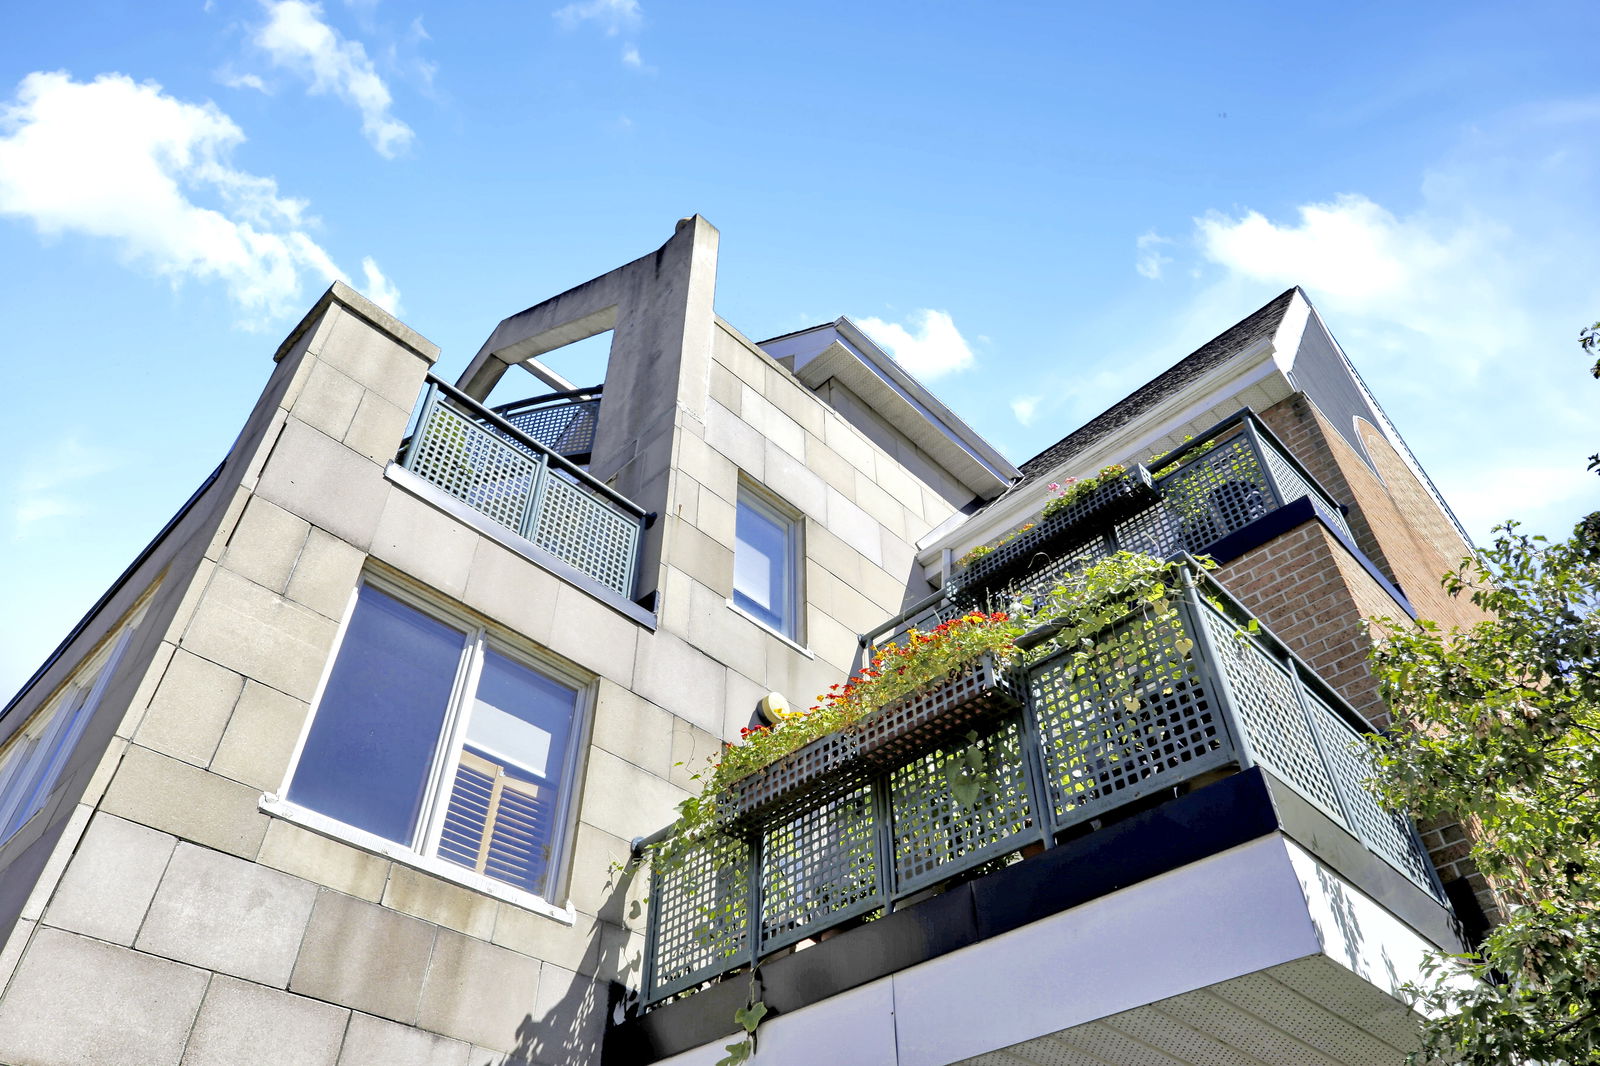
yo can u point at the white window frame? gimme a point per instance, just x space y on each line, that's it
38 751
765 504
421 852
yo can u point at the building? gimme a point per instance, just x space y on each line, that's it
348 766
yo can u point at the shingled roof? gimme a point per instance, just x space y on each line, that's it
1258 326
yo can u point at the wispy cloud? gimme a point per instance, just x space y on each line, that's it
931 348
379 288
1460 309
242 81
1151 262
124 161
297 38
1026 408
51 483
614 18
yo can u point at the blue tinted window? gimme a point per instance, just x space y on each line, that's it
763 564
370 752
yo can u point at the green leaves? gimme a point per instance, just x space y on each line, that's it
750 1017
1499 724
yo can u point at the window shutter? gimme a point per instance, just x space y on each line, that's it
498 824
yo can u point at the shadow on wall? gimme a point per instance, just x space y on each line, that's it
572 1028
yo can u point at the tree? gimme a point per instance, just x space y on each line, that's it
1499 724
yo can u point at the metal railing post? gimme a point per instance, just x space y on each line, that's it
1213 676
1298 684
534 501
430 400
883 834
1256 449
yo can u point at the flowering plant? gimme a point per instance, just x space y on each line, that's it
984 549
1075 488
896 670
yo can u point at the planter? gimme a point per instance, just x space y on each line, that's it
782 784
1093 512
908 727
885 738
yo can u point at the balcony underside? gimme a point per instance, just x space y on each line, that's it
1239 877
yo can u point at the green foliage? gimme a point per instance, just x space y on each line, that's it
984 549
1065 493
1499 724
1589 341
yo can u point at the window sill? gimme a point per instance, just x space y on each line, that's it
322 825
742 613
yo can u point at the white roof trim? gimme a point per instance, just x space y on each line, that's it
841 350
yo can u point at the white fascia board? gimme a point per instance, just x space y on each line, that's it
1130 443
840 349
1357 932
1291 329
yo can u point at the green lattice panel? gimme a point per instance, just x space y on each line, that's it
702 914
1387 833
1130 719
477 467
1268 707
581 529
1221 491
941 824
818 867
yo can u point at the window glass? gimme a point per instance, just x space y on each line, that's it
411 700
368 756
764 563
33 763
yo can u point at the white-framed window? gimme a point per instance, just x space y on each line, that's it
766 563
38 752
437 735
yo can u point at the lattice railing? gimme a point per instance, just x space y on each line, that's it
522 484
1167 699
564 422
1210 487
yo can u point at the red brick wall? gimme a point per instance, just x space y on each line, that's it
1312 593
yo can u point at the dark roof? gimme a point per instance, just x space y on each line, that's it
1258 326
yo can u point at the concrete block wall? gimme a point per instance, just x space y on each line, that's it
862 511
181 922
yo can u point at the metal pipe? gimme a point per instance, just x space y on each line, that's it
865 639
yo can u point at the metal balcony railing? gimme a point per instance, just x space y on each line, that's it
523 484
1207 488
564 422
1167 700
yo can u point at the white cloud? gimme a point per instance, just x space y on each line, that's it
1460 310
379 288
126 162
613 16
1026 408
48 484
1441 275
932 347
1151 261
242 81
296 38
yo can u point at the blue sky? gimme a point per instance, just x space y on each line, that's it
1037 207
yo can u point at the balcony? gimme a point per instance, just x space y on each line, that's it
519 467
1165 711
1189 500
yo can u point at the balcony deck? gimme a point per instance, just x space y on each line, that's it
1169 702
520 467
